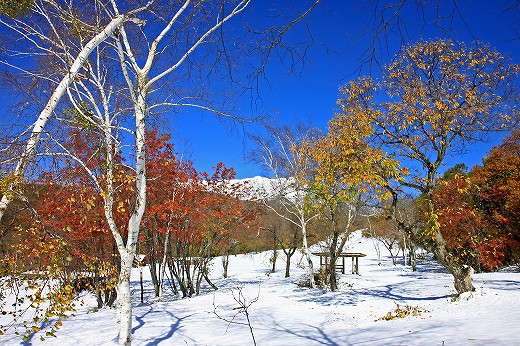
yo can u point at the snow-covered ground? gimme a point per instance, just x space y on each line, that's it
286 314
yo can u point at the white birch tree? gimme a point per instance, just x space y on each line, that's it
51 42
198 25
286 154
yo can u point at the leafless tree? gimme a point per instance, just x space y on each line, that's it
285 153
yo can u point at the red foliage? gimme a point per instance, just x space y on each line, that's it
479 213
71 208
194 207
497 184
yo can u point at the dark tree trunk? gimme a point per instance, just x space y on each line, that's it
273 261
206 277
152 261
275 252
331 267
141 282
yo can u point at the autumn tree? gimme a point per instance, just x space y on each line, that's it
496 192
472 209
460 221
170 179
344 182
497 183
73 212
191 217
72 247
440 96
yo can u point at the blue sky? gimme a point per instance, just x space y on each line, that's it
311 95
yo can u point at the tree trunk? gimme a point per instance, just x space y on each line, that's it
274 257
125 303
127 252
463 276
331 274
153 274
404 249
162 271
331 267
307 253
392 254
205 273
275 253
413 257
225 264
97 288
288 255
141 282
152 262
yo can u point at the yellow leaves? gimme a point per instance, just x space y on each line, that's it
121 207
8 182
440 105
90 203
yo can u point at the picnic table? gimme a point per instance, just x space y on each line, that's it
324 260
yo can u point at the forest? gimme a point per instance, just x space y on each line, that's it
95 189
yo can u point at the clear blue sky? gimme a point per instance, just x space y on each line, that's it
337 27
310 97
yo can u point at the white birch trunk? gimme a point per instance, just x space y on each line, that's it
307 253
46 113
125 303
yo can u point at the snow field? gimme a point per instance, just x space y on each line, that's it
286 314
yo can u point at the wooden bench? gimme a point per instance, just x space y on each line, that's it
324 260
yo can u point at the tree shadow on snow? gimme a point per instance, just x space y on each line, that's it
398 291
370 335
506 285
430 265
328 298
174 327
306 332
